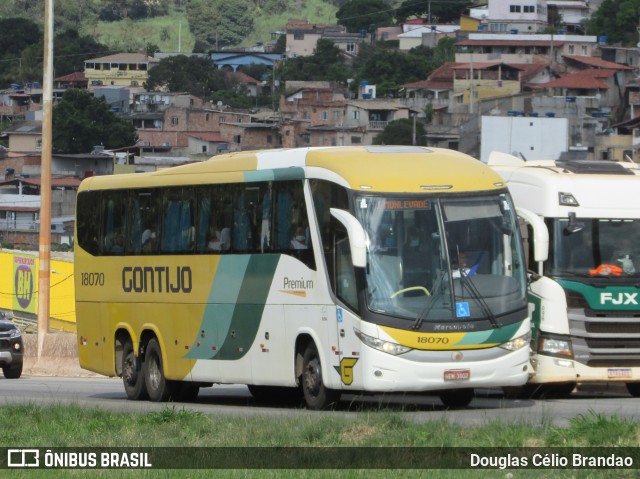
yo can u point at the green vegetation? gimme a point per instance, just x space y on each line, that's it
82 121
616 19
72 426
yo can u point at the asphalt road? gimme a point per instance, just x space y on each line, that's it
235 400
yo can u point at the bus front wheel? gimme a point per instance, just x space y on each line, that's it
154 373
132 376
316 395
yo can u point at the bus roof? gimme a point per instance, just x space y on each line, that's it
406 169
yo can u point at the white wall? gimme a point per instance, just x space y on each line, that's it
539 138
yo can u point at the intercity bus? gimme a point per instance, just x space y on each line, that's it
304 273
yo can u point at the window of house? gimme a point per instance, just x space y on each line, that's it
583 49
305 138
356 140
514 8
269 139
39 144
174 120
206 117
239 119
3 215
336 115
351 47
356 115
298 36
222 119
323 115
571 49
204 148
529 9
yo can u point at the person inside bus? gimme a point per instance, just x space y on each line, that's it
117 244
299 240
148 239
214 243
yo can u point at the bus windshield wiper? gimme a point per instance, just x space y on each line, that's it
431 300
466 282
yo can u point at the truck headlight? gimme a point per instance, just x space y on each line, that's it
15 333
381 345
555 347
517 343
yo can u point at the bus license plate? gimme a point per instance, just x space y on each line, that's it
622 373
457 375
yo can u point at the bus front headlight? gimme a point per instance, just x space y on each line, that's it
555 347
381 345
517 343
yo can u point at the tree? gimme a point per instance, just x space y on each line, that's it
616 19
378 65
180 73
326 64
441 11
364 15
220 23
400 132
81 121
70 50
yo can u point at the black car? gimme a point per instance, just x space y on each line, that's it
11 349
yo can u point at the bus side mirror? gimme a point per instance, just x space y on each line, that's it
357 236
540 234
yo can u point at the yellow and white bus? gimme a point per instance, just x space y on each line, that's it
311 272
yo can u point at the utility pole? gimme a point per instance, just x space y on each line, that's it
44 278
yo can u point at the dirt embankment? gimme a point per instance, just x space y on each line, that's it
59 356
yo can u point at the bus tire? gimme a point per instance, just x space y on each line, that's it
316 395
634 389
455 398
154 379
132 376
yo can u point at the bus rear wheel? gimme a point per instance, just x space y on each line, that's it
316 395
132 376
457 397
154 379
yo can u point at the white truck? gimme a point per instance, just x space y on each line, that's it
584 291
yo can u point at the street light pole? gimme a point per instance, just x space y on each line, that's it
44 278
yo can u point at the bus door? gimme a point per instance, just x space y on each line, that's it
345 318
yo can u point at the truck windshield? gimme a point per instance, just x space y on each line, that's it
597 248
442 259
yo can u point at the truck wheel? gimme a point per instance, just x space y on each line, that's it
154 373
456 398
12 372
316 395
132 376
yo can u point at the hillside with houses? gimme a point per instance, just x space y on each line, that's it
512 84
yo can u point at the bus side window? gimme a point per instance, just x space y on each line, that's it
178 229
114 216
88 206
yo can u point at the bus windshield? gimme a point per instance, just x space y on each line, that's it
442 259
594 248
